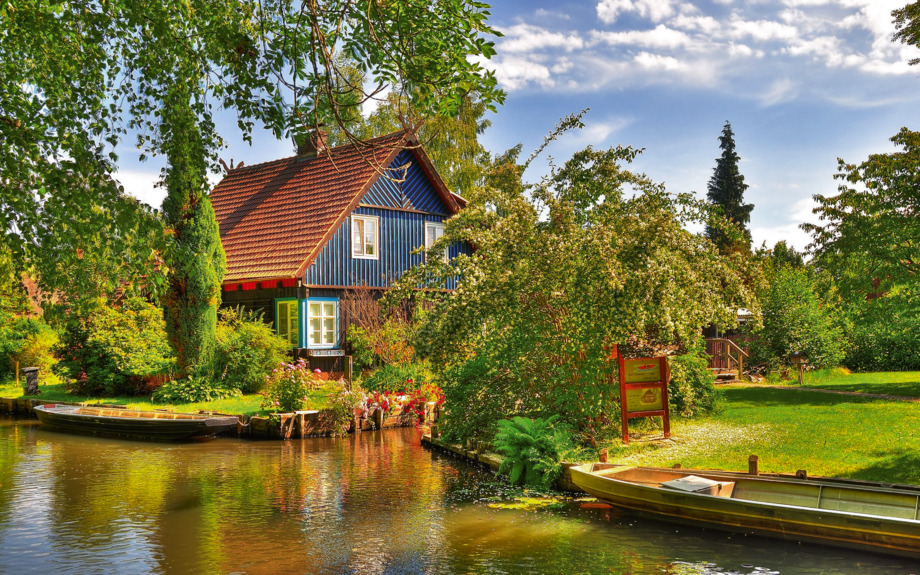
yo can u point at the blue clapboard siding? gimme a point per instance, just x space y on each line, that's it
400 233
407 187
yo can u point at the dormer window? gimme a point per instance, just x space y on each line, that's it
365 237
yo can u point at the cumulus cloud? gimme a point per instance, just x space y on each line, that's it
655 10
637 42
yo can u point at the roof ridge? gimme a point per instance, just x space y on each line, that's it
337 149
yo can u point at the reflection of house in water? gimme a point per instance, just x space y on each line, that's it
300 231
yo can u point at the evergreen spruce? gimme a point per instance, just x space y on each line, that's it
726 190
197 262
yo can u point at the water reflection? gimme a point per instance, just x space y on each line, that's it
374 503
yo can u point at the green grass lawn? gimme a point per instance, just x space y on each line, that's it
826 434
245 405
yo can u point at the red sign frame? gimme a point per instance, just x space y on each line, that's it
660 383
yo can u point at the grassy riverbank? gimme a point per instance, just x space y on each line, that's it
245 405
790 429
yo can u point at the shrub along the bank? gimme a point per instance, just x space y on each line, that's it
116 350
247 351
398 377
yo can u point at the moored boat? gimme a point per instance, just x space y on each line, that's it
863 515
158 425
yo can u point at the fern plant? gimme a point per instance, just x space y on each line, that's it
533 449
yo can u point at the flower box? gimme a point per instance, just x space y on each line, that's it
289 282
247 286
231 287
269 284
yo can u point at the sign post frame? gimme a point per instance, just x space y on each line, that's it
656 380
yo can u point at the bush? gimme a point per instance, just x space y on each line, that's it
692 389
247 351
192 390
344 402
399 377
533 449
885 335
117 350
388 343
288 386
796 319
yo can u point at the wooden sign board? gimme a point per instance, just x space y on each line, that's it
644 391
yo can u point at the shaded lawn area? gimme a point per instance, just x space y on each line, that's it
826 434
903 383
245 405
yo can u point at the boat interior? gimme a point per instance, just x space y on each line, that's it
900 503
129 413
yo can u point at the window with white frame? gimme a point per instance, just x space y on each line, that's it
365 237
288 323
322 323
433 232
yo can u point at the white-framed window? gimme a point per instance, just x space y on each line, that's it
287 313
365 237
322 323
433 232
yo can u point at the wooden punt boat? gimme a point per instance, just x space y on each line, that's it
130 423
877 517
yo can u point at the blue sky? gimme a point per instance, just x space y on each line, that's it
802 82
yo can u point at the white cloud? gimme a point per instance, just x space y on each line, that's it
655 10
515 73
525 38
651 61
660 37
780 91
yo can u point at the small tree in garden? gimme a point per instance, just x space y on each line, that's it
593 255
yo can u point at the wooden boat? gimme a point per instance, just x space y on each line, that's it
130 423
862 515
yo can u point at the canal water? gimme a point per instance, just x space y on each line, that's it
372 503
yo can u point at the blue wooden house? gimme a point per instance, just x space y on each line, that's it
301 231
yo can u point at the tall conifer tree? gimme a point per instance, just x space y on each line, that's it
726 190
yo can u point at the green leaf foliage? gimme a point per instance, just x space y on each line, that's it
193 389
869 238
116 350
247 351
532 449
399 377
592 256
796 318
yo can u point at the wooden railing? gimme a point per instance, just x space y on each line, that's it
725 355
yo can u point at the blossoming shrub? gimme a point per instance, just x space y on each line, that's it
344 403
399 377
288 386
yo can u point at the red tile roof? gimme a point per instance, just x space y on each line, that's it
275 217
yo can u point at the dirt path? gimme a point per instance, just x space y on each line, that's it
833 391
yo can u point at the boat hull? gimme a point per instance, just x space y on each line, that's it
840 526
135 424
